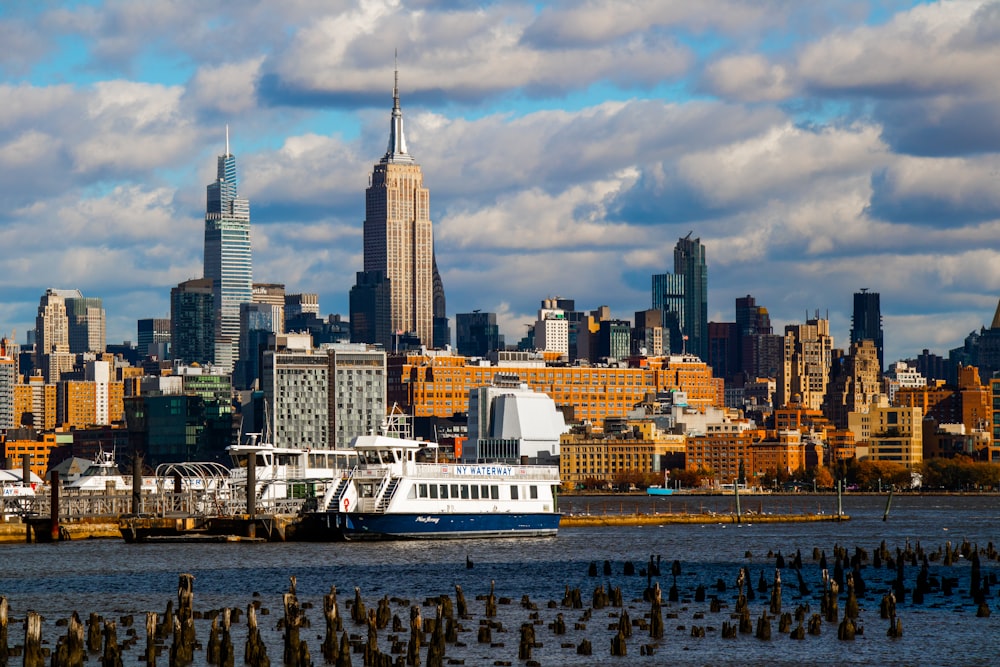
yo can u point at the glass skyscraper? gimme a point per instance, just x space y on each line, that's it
866 322
683 298
228 260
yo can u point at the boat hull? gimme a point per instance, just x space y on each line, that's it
659 491
353 526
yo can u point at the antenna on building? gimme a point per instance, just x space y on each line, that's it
227 141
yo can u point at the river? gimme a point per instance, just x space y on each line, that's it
113 579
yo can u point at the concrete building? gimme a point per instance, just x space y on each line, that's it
86 324
357 391
8 380
551 332
806 362
510 422
35 404
889 433
639 451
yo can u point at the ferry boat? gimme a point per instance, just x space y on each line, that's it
102 473
392 493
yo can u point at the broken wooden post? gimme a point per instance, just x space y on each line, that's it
655 614
255 652
112 655
416 637
33 656
331 614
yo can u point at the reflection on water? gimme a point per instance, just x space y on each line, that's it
113 578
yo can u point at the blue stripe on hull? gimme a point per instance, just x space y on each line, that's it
357 526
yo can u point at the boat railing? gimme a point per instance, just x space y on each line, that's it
483 471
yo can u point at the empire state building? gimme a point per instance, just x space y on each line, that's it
395 293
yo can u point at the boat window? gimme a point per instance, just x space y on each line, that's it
495 491
423 490
444 491
434 490
239 460
513 492
485 490
533 490
454 490
475 492
465 492
412 493
262 460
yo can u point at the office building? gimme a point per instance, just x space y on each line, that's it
398 239
86 323
866 322
647 336
299 304
668 298
295 379
192 321
854 384
689 261
477 334
552 329
8 380
153 336
228 260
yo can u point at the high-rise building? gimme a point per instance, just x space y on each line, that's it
52 352
192 321
806 363
370 305
357 391
86 323
153 336
855 383
477 334
668 298
647 337
228 260
689 261
8 379
398 239
866 322
298 304
614 340
552 329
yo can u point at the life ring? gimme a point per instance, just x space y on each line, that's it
347 504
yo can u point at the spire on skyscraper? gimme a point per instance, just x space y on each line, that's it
396 151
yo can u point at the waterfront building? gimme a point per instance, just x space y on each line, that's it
866 322
295 379
228 257
762 455
21 442
889 433
477 334
357 391
510 422
437 384
153 336
806 361
967 402
639 452
192 321
398 240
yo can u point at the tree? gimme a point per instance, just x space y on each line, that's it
823 477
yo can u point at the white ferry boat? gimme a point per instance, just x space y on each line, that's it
102 473
392 494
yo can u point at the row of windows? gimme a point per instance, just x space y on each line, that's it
473 491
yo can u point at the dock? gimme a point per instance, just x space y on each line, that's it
613 520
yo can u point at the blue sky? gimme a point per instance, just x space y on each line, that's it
815 148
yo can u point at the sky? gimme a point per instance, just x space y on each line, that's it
815 148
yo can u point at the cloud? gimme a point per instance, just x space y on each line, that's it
937 191
748 78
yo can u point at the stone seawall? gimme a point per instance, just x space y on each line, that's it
591 521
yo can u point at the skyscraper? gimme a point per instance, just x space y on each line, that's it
668 298
192 321
689 261
866 322
52 352
228 261
398 240
86 323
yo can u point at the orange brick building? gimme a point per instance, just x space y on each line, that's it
438 384
762 453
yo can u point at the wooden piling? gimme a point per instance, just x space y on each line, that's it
255 652
150 639
331 615
416 637
112 655
4 649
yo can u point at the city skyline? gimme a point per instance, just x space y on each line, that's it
815 150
